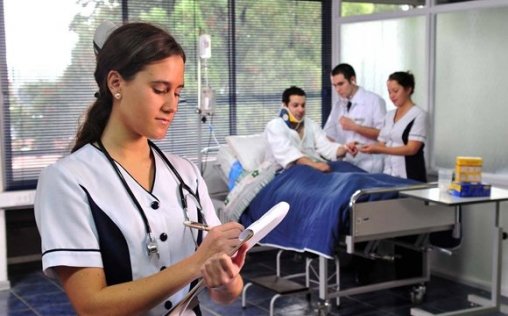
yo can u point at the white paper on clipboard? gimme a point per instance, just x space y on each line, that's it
260 228
251 236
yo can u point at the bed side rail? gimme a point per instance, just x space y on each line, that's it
359 193
382 219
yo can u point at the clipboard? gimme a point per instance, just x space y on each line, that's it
250 236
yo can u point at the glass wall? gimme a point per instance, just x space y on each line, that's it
466 55
450 1
378 48
470 103
364 7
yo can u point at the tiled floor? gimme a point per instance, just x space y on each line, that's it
34 294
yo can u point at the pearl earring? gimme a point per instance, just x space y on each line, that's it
117 95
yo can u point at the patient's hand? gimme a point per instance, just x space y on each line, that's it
351 148
321 166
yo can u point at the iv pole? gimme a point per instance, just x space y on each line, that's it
205 93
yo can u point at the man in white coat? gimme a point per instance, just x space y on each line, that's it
357 117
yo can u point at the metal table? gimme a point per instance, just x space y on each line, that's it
435 195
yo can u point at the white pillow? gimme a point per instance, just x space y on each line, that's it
248 149
225 159
245 191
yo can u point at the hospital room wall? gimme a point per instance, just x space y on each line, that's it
469 120
458 57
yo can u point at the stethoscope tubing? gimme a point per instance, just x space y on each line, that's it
151 242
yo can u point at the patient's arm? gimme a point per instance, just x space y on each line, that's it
321 166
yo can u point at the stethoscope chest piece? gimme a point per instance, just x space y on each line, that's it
151 246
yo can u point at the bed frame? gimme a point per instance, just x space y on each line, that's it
397 217
370 223
381 220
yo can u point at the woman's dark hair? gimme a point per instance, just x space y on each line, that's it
293 90
128 50
405 79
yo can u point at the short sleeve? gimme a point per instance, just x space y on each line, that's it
419 129
64 220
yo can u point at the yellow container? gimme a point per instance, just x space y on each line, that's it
468 161
468 169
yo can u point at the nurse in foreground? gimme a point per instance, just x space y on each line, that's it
111 214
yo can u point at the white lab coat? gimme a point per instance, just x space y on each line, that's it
284 145
367 109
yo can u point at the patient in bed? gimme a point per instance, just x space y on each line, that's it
292 138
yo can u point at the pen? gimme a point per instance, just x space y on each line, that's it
196 225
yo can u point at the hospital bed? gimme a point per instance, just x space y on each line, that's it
352 210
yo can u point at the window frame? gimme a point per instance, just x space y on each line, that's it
7 176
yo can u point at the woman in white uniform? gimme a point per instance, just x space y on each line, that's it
111 215
404 133
293 138
402 139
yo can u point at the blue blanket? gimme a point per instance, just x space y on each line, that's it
319 204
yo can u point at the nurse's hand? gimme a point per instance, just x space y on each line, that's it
221 269
221 274
347 124
352 148
221 239
375 148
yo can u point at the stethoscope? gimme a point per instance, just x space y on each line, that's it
151 242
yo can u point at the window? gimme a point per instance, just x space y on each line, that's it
366 7
450 1
259 48
270 59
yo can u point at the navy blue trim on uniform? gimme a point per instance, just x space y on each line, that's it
69 249
415 164
113 246
197 308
